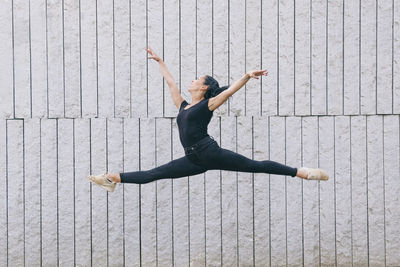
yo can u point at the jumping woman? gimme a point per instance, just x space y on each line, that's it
202 153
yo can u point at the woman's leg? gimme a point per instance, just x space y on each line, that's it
228 160
174 169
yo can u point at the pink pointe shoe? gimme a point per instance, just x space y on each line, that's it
315 174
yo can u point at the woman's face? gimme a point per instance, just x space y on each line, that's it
198 84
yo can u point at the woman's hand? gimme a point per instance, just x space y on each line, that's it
153 55
255 73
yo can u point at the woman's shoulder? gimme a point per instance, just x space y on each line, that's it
184 103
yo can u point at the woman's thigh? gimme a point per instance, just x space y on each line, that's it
177 168
224 159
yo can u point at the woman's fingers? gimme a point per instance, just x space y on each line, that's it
255 73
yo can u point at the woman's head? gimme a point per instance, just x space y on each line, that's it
207 86
213 87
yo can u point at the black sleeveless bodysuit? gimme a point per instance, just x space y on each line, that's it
193 122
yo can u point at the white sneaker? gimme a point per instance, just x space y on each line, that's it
315 174
102 181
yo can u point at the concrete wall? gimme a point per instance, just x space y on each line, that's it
79 96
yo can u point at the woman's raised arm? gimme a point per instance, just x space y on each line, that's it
239 83
218 100
176 95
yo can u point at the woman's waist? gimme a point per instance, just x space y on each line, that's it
200 144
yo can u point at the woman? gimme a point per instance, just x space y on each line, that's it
202 153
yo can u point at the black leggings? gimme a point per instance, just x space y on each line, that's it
206 155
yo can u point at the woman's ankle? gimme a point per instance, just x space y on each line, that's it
115 177
301 173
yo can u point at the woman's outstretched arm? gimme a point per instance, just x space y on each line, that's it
242 81
176 95
218 100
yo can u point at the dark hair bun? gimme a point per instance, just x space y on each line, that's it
213 87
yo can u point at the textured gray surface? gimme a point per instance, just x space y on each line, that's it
327 204
15 188
70 59
131 194
32 192
3 194
83 220
359 190
55 215
229 197
277 193
79 96
66 189
49 192
99 196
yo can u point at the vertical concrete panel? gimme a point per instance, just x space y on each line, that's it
302 68
6 64
55 59
105 57
286 57
3 192
318 59
188 46
327 218
148 194
213 256
99 201
180 207
83 219
164 193
38 58
351 57
138 59
244 147
171 52
278 193
72 59
88 58
220 53
359 191
196 220
335 64
32 190
392 188
155 40
116 198
269 37
368 57
66 196
294 213
376 219
396 59
261 194
310 193
253 56
122 58
229 191
204 38
131 194
16 192
384 57
237 55
343 190
49 192
21 55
